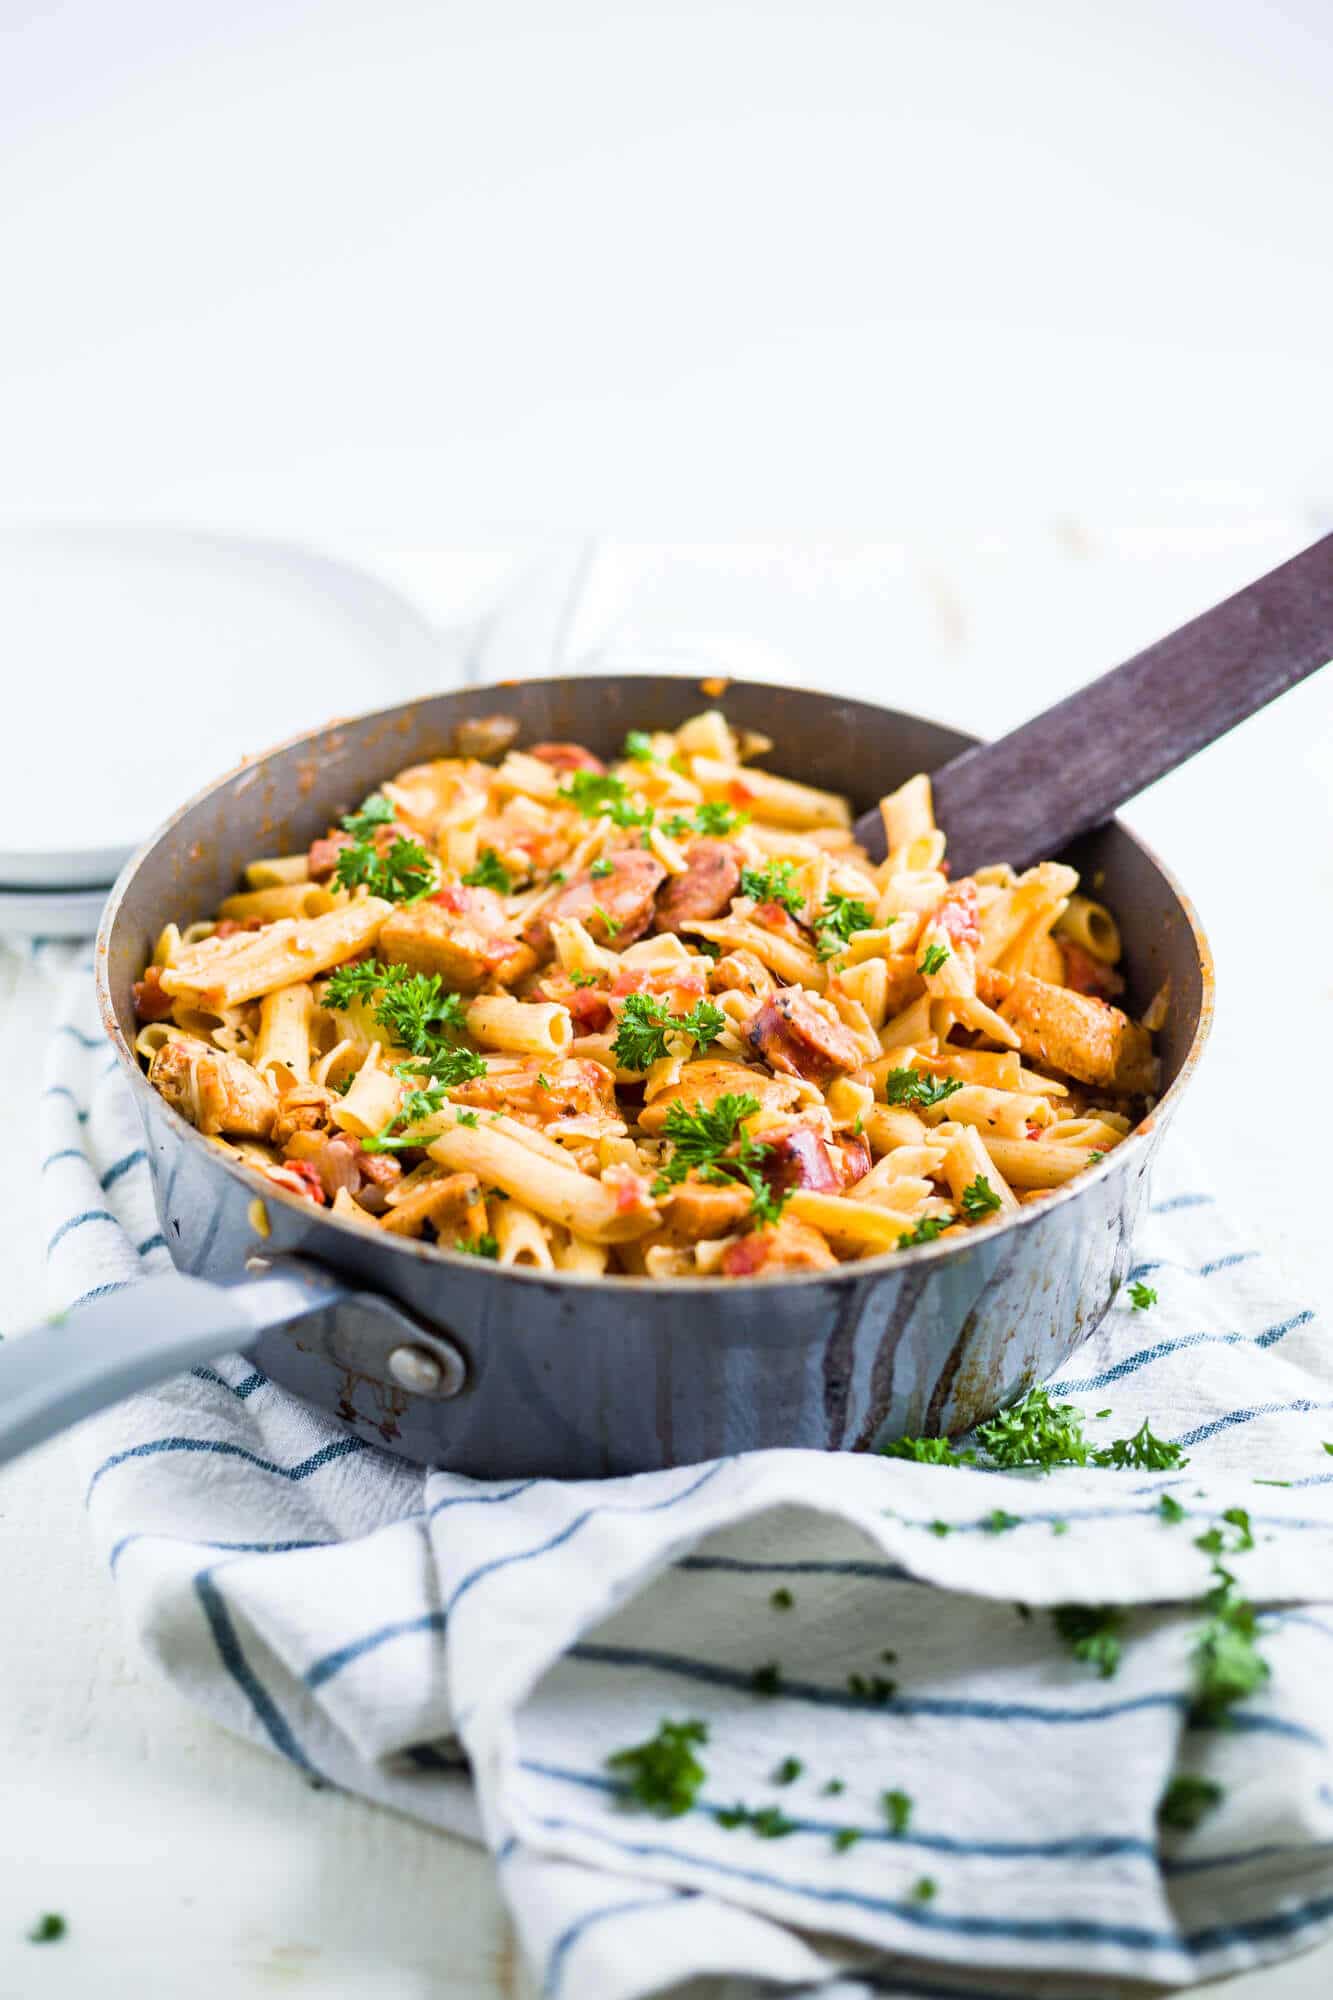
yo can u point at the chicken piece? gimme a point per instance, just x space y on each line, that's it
695 1212
783 1246
150 1002
459 933
705 889
218 1093
543 1090
625 896
485 736
567 757
305 1107
1074 1033
444 1202
702 1083
957 913
742 972
797 1032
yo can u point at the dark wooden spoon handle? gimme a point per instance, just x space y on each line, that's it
1026 796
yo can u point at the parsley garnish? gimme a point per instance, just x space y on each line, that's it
1092 1633
910 1086
932 960
646 1021
833 1788
1142 1453
997 1522
596 793
700 1140
769 1822
412 1005
613 924
444 1069
872 1687
1035 1432
788 1771
979 1199
664 1774
675 825
404 874
940 1528
928 1451
1227 1663
558 875
602 868
774 884
478 1246
926 1230
767 1680
837 920
638 747
1186 1801
1170 1509
844 1838
1214 1543
1142 1296
583 978
923 1890
715 816
782 1599
47 1929
897 1810
468 1118
490 873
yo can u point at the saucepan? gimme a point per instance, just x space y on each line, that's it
450 1361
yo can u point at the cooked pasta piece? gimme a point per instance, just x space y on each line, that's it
649 1014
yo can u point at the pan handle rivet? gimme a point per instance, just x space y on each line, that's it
413 1368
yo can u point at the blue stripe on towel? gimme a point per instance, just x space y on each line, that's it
1133 1362
1302 1405
340 1448
73 1222
234 1660
564 1944
952 1706
332 1663
114 1172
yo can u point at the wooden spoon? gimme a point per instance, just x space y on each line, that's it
1026 796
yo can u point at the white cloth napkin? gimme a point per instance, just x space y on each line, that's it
472 1652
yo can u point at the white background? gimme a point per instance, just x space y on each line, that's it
1032 302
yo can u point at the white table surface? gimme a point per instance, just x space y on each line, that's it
187 1862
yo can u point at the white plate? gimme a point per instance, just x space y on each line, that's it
46 913
141 663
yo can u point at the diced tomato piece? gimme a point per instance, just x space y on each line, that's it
150 1002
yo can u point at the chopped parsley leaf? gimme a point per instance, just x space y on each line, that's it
1142 1296
923 1889
543 1082
413 1006
48 1928
1214 1542
583 978
468 1118
478 1246
979 1199
1187 1800
646 1021
638 747
715 817
1142 1453
769 1822
613 924
872 1687
845 1837
788 1771
997 1522
1170 1508
932 959
897 1810
782 1599
675 825
702 1140
910 1086
490 873
373 812
403 874
602 868
558 875
940 1528
768 1679
836 922
1092 1633
927 1451
1227 1663
774 884
597 792
1034 1432
663 1774
926 1230
834 1788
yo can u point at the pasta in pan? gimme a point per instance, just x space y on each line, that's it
658 1019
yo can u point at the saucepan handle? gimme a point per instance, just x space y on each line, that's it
130 1338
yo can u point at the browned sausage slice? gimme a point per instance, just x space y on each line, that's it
704 890
798 1158
788 1245
794 1032
625 896
567 757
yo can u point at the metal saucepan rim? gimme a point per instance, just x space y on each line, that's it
923 1254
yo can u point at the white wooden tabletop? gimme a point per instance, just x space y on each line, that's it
185 1861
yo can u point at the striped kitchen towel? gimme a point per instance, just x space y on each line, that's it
897 1771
